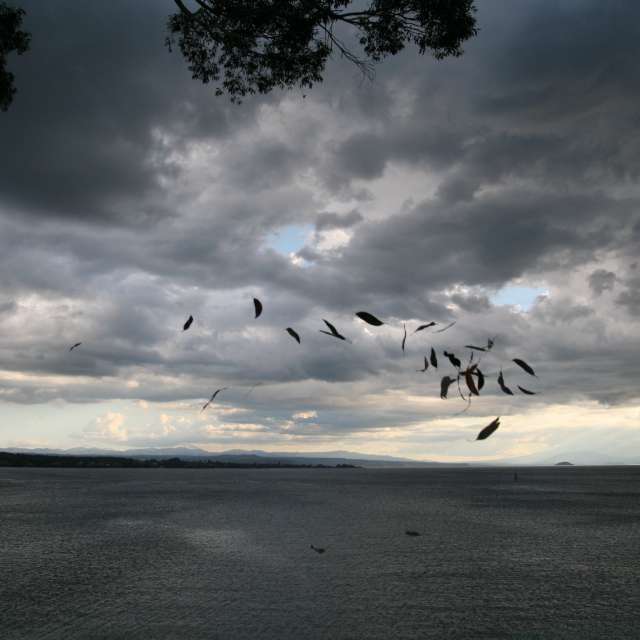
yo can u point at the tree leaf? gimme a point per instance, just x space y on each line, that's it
445 383
426 365
523 365
480 375
452 359
526 391
470 346
334 331
468 376
213 397
293 334
188 323
258 306
434 358
404 337
369 318
422 327
488 430
445 328
503 386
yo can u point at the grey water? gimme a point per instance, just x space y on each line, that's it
187 553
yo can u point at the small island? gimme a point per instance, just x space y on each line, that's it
117 462
564 463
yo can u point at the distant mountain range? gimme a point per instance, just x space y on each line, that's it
332 458
329 458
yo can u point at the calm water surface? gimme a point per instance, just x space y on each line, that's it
189 554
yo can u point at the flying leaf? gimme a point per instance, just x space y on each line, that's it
75 346
445 328
422 327
488 430
426 365
445 383
470 346
522 364
526 391
404 337
503 386
434 358
468 376
188 323
213 397
333 330
490 344
452 359
480 375
258 306
369 318
293 334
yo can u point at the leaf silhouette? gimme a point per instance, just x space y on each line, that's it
480 375
404 337
426 365
490 344
333 330
452 359
526 391
75 346
188 323
445 383
258 307
369 318
468 376
293 334
488 430
470 346
523 365
213 397
434 358
503 386
445 328
422 327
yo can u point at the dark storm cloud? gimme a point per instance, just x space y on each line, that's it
98 91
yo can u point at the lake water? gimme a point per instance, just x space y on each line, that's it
191 554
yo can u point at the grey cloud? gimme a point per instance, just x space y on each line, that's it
97 93
601 280
630 297
329 220
471 303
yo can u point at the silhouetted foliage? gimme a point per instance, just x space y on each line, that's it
503 386
523 365
12 38
488 430
332 331
254 46
369 318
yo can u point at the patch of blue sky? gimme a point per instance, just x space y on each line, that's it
522 297
289 239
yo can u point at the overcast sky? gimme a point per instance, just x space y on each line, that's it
499 190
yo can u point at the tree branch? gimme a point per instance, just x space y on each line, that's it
183 8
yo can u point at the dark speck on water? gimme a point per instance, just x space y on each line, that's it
181 553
